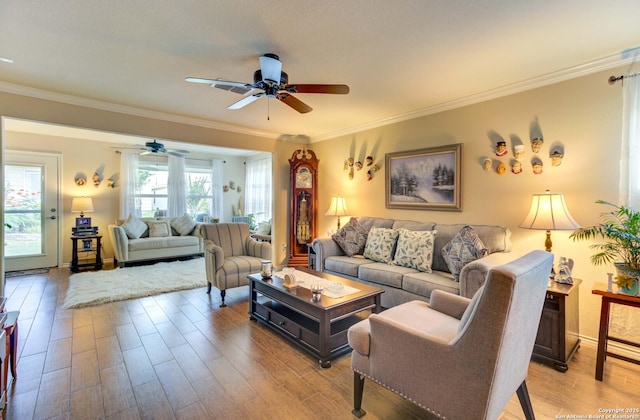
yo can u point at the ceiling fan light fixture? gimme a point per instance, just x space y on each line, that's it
271 68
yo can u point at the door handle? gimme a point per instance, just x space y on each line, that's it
52 217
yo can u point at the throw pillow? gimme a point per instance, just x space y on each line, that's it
159 228
351 238
381 244
184 225
415 249
465 247
264 228
134 227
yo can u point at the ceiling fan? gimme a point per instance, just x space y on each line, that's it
273 83
153 147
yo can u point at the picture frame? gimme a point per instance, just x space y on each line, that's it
424 179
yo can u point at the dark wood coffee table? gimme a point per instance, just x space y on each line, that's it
319 328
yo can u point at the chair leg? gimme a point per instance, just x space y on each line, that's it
358 388
525 401
222 295
13 351
208 288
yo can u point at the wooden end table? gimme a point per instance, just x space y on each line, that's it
603 336
320 328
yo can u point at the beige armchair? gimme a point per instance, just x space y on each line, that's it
231 254
457 357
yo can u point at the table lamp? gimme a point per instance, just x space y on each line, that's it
81 204
549 212
338 208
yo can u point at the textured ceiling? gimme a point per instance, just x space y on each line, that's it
398 57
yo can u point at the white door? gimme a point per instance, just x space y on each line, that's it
31 196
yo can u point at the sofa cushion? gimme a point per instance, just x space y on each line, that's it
381 244
134 227
465 247
351 238
413 225
143 244
183 225
345 265
159 228
494 238
415 249
424 283
382 273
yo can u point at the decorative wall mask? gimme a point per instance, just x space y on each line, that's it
80 179
368 160
516 167
518 151
501 169
486 164
536 164
501 148
556 157
536 144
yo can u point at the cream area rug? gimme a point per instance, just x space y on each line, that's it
97 287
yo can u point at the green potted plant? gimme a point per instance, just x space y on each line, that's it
620 230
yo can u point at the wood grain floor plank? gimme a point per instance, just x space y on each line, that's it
86 403
117 392
152 402
109 353
139 366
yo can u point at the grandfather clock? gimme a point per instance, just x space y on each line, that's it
303 167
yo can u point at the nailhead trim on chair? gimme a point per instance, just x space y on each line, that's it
399 393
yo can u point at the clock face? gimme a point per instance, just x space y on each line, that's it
303 178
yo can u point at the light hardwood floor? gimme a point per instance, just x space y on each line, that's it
180 355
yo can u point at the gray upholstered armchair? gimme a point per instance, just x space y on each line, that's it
457 357
231 254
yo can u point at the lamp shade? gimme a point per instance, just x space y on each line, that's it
338 207
81 205
549 212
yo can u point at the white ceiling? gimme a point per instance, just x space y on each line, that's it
400 58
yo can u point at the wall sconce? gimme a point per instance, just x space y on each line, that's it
81 204
338 208
549 212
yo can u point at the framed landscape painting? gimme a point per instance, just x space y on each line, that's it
424 179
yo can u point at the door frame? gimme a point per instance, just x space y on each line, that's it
58 199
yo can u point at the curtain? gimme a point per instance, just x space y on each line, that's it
216 189
129 187
258 190
176 187
625 321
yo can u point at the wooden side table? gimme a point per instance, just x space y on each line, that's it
603 336
558 333
95 248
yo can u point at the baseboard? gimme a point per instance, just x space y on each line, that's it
619 348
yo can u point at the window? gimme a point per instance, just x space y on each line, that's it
153 192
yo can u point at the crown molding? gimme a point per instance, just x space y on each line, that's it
128 110
591 67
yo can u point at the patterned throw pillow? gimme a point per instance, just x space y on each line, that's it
351 238
415 249
159 228
465 247
183 225
134 227
381 244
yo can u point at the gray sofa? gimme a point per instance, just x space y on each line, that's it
402 284
145 248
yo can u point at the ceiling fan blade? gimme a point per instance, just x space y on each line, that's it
294 102
310 88
245 101
172 153
236 87
177 151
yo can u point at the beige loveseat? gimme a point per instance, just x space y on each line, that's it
403 284
130 248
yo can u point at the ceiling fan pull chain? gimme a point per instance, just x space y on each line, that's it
268 108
